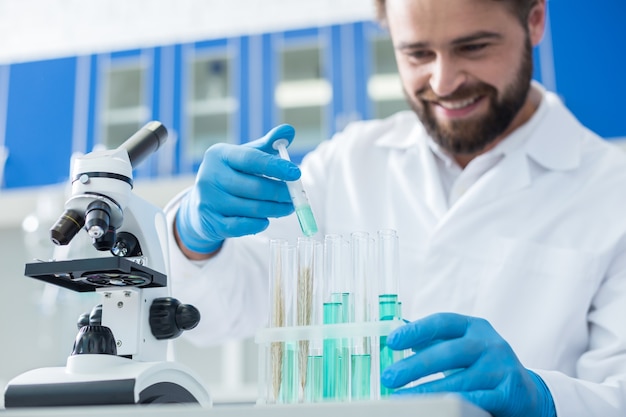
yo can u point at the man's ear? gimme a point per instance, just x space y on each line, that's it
537 22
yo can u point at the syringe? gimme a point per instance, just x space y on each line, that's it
298 196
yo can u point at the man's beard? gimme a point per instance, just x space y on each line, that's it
466 137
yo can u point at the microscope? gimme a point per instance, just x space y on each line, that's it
120 352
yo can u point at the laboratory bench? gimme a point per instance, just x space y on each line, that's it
440 405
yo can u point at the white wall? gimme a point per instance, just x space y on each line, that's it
35 29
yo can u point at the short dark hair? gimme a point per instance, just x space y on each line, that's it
519 8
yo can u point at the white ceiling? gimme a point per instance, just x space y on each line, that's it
36 29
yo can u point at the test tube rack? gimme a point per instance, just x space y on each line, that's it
332 305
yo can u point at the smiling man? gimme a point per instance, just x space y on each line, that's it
510 215
466 68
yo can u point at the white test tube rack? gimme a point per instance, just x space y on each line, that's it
329 359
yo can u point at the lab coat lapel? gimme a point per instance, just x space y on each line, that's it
509 176
433 193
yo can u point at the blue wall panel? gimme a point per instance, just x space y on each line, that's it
589 42
40 122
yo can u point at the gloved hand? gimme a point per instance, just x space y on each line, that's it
237 188
488 373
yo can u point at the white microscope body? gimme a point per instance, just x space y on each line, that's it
120 352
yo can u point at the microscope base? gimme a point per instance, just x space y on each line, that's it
105 380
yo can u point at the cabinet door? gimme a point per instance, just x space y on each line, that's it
123 99
132 88
211 98
39 122
125 95
302 94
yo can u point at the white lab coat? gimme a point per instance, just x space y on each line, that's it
537 246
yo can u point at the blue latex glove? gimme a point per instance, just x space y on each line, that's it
486 373
237 189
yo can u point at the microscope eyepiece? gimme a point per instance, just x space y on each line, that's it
68 225
144 142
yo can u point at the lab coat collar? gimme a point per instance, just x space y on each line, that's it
555 142
405 133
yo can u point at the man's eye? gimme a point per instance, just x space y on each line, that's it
473 47
420 55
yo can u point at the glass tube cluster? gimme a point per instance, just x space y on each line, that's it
332 304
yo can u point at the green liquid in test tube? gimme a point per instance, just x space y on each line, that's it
361 368
289 386
331 353
388 310
298 195
343 349
314 389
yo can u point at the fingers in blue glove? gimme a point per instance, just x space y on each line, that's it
237 174
252 161
488 371
438 357
441 326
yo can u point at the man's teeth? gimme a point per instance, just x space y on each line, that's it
454 105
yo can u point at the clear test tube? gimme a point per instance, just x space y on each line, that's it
335 266
310 312
388 284
375 341
283 365
336 301
362 276
388 273
274 369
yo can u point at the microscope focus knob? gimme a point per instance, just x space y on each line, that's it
94 340
168 318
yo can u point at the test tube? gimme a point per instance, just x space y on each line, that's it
361 260
276 318
298 195
388 264
360 356
310 312
337 306
283 364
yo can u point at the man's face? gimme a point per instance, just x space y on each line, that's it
465 65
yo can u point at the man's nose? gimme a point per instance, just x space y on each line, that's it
446 76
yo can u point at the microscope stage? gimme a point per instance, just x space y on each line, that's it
85 275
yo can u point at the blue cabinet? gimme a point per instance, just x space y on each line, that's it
235 89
